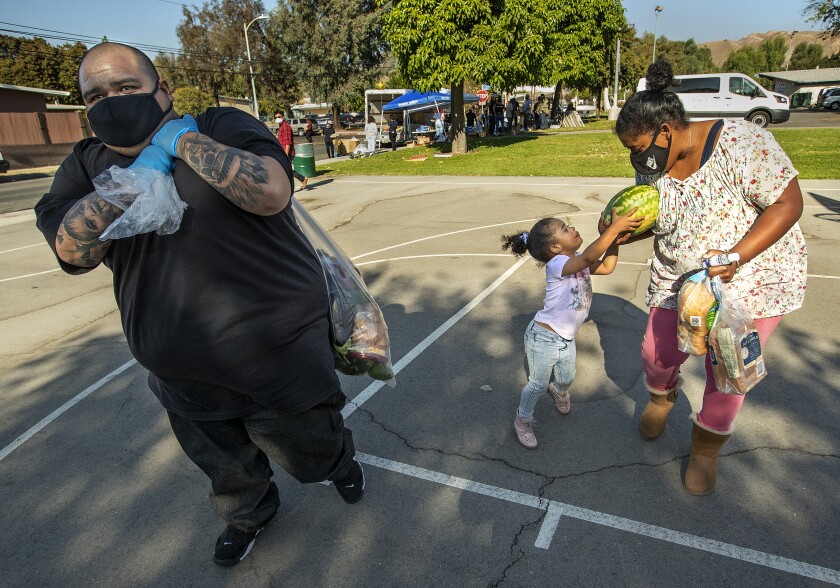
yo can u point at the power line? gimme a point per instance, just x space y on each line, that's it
85 38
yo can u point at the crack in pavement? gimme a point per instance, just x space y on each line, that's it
515 545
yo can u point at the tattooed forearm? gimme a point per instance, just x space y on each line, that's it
77 240
238 175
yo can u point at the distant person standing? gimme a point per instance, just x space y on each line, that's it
371 134
287 141
528 112
392 132
471 117
542 111
329 131
310 130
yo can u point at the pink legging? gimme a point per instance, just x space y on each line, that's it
662 360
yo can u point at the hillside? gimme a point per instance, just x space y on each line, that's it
722 49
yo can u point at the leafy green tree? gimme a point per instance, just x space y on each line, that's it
747 60
442 44
333 48
191 100
806 56
826 12
504 44
833 61
35 63
214 57
68 73
774 52
579 43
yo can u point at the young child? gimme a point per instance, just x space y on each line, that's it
550 337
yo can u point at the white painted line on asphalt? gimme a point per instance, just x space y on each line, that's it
527 220
455 482
451 183
434 255
64 408
557 509
30 275
549 526
373 388
24 247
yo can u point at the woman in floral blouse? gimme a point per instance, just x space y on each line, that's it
726 186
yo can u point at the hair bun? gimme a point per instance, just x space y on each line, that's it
660 75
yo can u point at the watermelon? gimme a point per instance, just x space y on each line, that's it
643 197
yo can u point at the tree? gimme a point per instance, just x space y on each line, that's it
806 56
333 47
774 52
826 12
579 43
504 44
213 56
191 100
441 44
37 64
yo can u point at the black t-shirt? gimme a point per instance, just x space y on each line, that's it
392 126
229 314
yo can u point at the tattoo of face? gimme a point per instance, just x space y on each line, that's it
83 224
239 176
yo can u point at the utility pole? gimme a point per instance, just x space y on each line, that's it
256 108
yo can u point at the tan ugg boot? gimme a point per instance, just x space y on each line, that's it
655 415
701 473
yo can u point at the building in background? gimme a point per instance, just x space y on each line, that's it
802 86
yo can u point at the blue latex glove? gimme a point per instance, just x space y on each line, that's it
153 157
167 137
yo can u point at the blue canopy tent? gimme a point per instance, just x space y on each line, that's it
415 101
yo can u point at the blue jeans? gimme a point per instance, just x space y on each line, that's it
547 352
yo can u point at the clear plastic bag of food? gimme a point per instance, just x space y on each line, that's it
148 197
734 345
359 334
696 306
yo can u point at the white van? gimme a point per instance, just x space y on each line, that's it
728 95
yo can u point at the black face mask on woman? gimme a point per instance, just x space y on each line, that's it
653 159
126 121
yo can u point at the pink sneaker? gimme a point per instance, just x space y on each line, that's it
562 402
525 433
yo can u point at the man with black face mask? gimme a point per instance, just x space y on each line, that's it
230 313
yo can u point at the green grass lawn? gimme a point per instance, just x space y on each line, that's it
564 152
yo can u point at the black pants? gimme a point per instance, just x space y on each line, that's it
312 446
298 177
330 149
393 138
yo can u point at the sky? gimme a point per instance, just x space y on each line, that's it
153 22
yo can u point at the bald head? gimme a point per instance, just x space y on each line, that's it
105 51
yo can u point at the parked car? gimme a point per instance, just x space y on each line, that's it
829 98
728 95
299 125
4 164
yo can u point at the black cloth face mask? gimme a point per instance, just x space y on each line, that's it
126 121
653 159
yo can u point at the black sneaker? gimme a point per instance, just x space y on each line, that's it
352 488
233 546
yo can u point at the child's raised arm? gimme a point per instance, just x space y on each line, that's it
592 254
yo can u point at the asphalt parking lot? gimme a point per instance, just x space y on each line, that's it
96 491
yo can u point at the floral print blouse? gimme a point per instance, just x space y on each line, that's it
714 208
